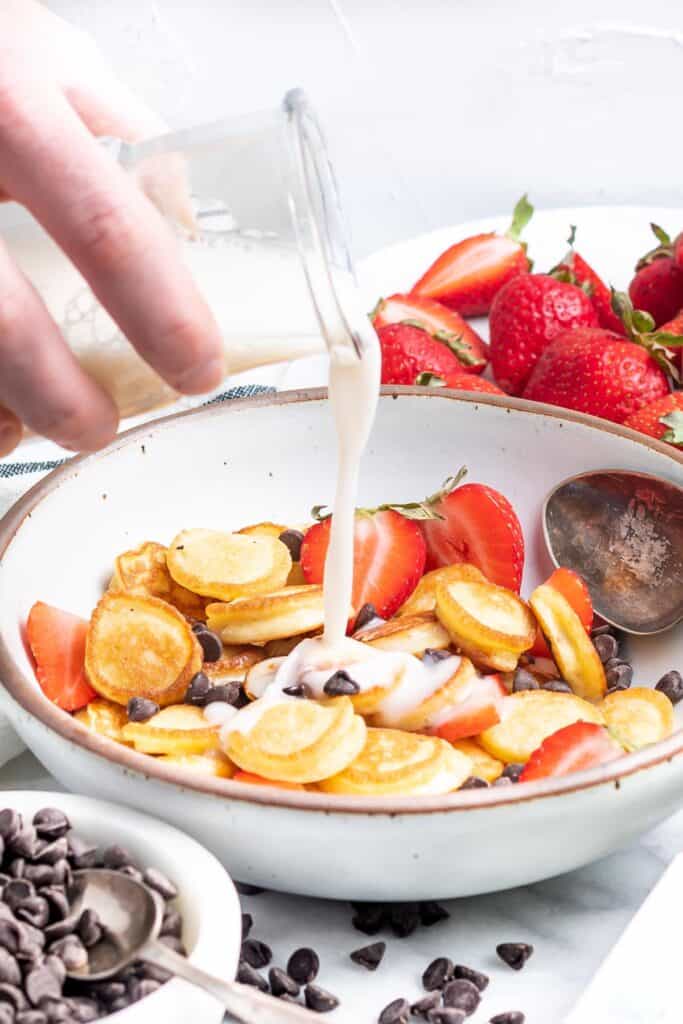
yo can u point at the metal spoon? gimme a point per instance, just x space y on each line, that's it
623 532
132 914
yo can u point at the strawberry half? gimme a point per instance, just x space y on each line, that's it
57 642
479 711
575 270
572 587
388 558
572 749
476 524
468 274
459 382
408 351
441 323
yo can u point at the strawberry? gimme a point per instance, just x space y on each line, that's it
408 351
575 748
573 587
442 323
480 710
675 327
526 314
597 372
459 382
468 274
662 419
657 286
57 642
388 558
474 524
678 250
575 270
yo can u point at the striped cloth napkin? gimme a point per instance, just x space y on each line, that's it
23 469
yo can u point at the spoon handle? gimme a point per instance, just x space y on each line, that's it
244 1002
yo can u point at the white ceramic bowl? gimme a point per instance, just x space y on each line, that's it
207 898
271 458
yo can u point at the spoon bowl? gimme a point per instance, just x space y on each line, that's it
623 532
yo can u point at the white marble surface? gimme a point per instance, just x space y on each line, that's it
572 921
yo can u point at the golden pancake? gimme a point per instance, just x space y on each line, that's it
234 664
140 647
572 648
289 612
423 598
638 717
298 741
263 530
529 717
178 730
483 765
228 565
104 718
144 572
213 763
396 762
412 634
490 624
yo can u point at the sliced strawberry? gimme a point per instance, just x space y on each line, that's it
459 382
479 711
408 351
57 641
572 749
475 524
468 274
573 588
388 558
442 323
258 780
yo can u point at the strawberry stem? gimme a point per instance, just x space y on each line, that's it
521 215
429 380
641 330
420 510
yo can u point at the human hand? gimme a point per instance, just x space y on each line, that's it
55 95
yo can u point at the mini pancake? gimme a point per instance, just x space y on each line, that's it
393 761
213 763
228 565
140 647
289 612
104 718
483 765
260 676
638 717
490 624
234 664
529 717
572 648
423 598
178 731
266 529
144 572
412 634
298 740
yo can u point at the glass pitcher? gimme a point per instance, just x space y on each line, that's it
254 207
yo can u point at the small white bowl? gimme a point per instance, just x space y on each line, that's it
207 900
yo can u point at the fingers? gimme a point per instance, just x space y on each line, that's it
111 232
10 432
40 379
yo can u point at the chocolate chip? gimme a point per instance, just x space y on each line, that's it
432 913
523 680
303 965
211 645
119 1004
115 857
246 975
62 928
17 867
16 891
510 1017
41 983
172 923
437 974
24 843
462 995
197 691
247 925
606 646
56 965
107 991
446 1015
474 782
397 1012
131 872
605 630
28 1017
404 919
71 952
227 693
319 999
12 934
557 686
340 684
431 655
671 685
369 957
51 823
298 690
82 854
514 954
53 851
292 540
423 1006
140 709
34 910
512 772
85 1010
7 1014
620 676
469 974
57 1011
256 953
39 874
174 943
144 987
61 873
10 972
281 984
10 825
502 780
159 974
369 918
89 928
13 995
156 880
244 889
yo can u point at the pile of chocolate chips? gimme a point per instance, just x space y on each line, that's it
40 940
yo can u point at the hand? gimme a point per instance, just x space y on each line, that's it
55 96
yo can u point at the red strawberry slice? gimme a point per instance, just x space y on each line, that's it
479 711
459 382
57 641
573 588
468 274
388 558
478 525
572 749
442 323
408 351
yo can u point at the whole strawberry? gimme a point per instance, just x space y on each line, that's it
460 382
595 371
527 313
657 286
662 419
408 351
678 250
575 270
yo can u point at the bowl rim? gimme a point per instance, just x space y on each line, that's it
26 694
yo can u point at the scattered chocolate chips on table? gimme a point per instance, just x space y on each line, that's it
319 1000
303 965
281 984
671 685
476 977
256 953
511 1017
396 1012
514 954
437 974
370 956
462 995
423 1006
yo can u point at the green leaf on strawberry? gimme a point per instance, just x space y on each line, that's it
674 421
521 215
